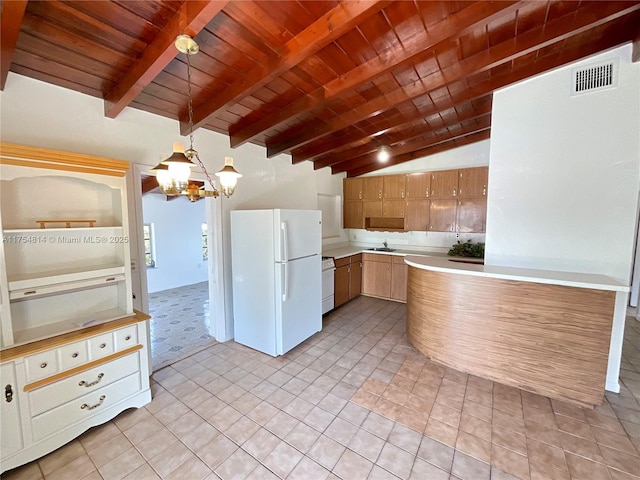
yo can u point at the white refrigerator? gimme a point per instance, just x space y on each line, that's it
277 279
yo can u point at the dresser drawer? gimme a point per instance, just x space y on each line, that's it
41 365
72 355
101 345
83 407
62 391
126 337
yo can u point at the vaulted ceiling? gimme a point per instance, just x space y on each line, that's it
326 81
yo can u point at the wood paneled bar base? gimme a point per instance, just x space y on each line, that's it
539 335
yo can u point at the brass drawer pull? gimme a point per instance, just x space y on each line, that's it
87 407
91 384
43 365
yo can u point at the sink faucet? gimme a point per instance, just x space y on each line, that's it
385 244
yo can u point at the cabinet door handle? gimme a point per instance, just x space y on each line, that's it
359 195
43 365
454 192
8 393
85 406
426 192
401 194
82 383
484 190
110 279
379 193
102 345
30 292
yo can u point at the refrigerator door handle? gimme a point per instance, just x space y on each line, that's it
285 275
285 241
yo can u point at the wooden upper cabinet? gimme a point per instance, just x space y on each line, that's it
472 182
352 188
417 215
418 185
394 186
372 188
442 215
372 209
393 208
444 184
352 216
471 215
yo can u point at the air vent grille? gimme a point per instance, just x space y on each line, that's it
594 77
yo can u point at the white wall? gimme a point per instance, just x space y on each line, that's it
38 114
178 242
473 155
564 173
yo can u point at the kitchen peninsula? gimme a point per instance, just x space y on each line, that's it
547 332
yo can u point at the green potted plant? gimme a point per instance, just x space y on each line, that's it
467 249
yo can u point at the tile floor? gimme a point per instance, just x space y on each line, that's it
354 402
180 323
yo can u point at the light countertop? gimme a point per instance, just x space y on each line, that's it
341 252
569 279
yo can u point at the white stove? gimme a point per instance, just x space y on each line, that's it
328 268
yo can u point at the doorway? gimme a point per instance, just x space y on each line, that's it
176 248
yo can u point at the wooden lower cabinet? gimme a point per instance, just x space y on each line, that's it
341 282
384 276
347 279
399 271
355 276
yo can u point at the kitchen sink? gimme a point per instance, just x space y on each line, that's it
382 249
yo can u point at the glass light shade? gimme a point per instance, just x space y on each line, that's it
165 181
228 177
179 173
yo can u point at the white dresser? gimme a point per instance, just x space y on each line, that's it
73 351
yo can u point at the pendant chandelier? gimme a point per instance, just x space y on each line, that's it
174 172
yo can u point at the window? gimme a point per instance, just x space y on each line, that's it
205 242
149 251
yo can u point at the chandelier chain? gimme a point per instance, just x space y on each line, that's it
190 103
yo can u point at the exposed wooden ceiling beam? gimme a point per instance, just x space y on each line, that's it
435 137
578 52
190 18
455 26
149 184
591 16
324 156
478 136
397 141
318 35
10 21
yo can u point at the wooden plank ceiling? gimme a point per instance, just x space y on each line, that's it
325 81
